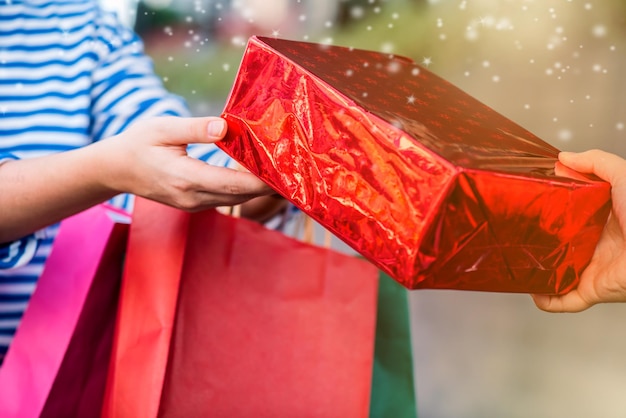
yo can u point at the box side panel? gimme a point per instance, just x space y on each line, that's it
359 176
509 234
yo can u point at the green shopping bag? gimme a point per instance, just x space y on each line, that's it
393 387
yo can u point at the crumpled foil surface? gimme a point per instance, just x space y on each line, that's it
426 182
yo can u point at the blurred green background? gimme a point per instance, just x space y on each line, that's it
556 67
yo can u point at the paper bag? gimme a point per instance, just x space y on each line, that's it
222 317
393 381
57 364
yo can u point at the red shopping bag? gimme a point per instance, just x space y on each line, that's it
57 363
222 317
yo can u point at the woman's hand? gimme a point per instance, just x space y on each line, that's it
150 160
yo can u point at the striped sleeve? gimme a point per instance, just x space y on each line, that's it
7 156
18 253
125 86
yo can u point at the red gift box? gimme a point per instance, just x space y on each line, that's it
426 182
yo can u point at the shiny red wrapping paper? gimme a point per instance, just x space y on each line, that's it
426 182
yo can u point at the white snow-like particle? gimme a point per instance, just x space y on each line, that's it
387 47
427 61
471 34
415 72
226 66
504 24
526 106
565 135
357 12
599 31
495 78
619 126
238 40
410 99
396 123
393 67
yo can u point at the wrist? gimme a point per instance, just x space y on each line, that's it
105 165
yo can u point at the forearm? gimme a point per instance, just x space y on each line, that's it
38 192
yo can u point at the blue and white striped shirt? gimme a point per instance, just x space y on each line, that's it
70 74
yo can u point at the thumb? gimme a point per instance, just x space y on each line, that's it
607 166
570 302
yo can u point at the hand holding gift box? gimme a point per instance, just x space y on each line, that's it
603 279
426 182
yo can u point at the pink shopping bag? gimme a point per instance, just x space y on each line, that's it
57 363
